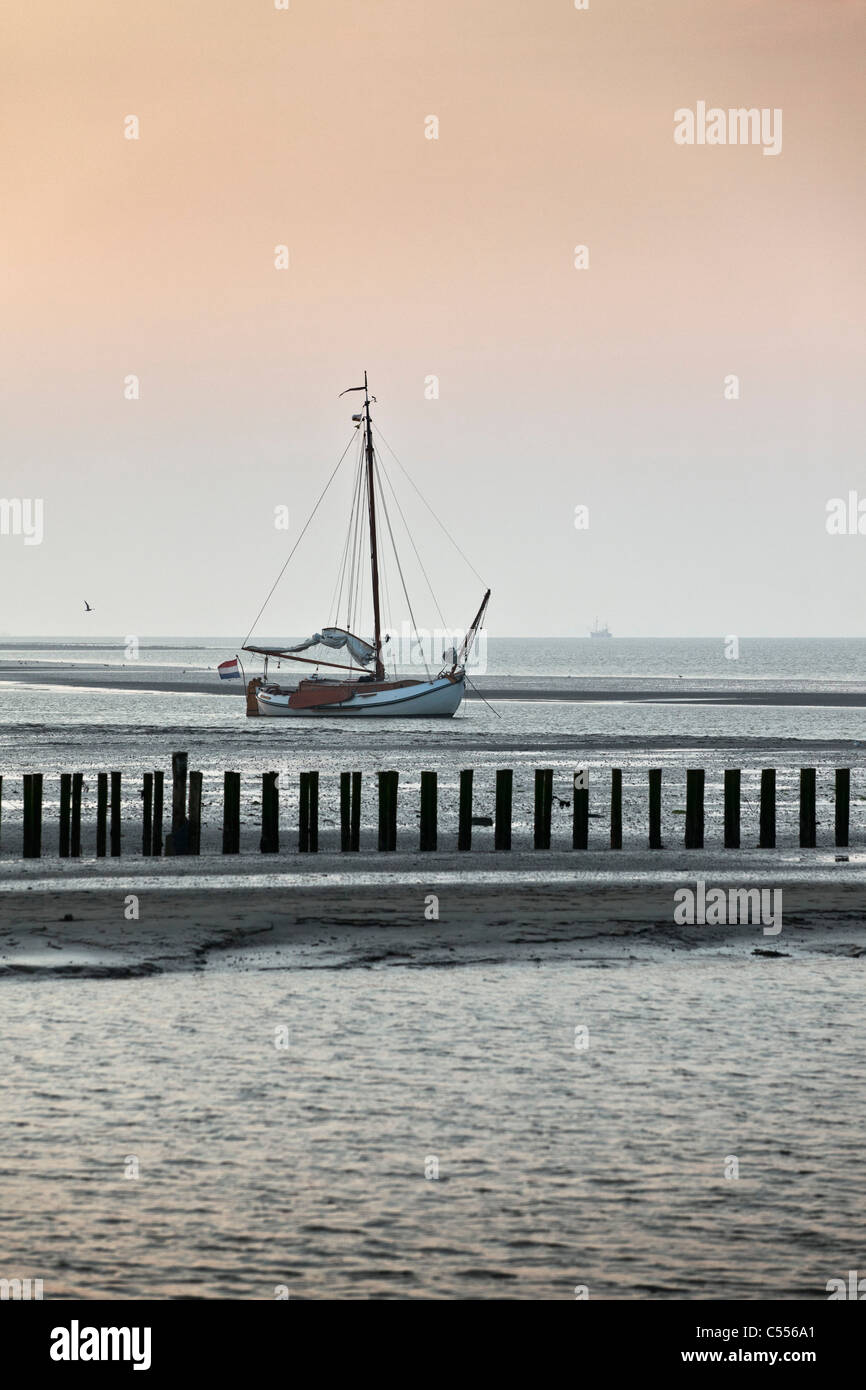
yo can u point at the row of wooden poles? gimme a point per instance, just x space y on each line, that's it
185 835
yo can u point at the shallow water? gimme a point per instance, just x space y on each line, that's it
305 1167
779 659
557 1167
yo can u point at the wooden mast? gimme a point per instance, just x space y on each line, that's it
374 552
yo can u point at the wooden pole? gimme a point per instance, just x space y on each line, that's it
464 822
32 848
270 841
179 841
355 826
388 810
345 811
543 806
767 833
843 805
195 783
231 812
502 814
304 813
655 808
580 813
65 808
732 808
75 827
616 808
807 808
1 800
350 811
101 812
695 778
158 790
147 814
308 816
115 814
429 808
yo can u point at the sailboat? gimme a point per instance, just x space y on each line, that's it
365 690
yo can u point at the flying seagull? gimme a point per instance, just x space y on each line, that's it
87 607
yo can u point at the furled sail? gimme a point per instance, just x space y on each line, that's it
337 637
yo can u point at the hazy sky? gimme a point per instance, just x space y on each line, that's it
451 257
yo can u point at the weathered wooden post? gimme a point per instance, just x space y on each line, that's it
115 814
429 808
65 808
345 811
655 808
767 831
388 810
355 823
616 808
350 811
807 808
1 801
580 811
464 815
32 848
195 783
842 805
732 808
158 789
695 777
270 841
178 841
101 813
304 813
147 815
231 812
308 813
543 806
502 814
75 827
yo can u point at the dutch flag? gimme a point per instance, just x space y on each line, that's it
229 670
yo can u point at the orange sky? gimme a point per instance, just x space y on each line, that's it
452 257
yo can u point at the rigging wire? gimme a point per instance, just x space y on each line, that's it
414 546
439 523
353 597
334 605
337 596
397 559
300 538
481 697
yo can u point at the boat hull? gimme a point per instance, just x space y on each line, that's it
439 699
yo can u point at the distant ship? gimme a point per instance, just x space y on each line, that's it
600 631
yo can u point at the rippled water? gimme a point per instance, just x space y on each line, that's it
781 659
306 1166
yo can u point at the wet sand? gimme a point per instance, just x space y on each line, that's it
87 932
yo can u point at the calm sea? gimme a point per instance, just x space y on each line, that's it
157 1143
778 659
311 1167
